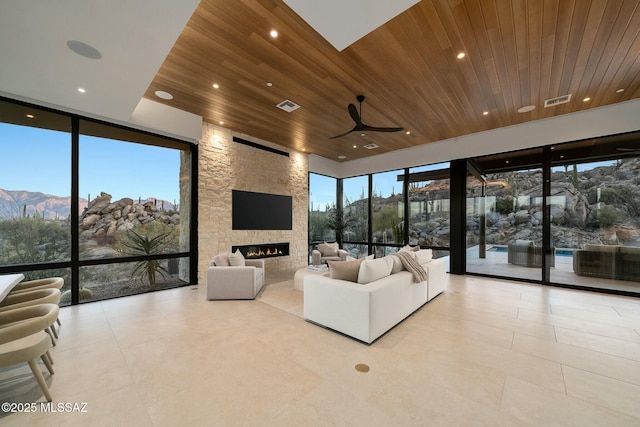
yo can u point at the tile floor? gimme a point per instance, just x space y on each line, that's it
484 353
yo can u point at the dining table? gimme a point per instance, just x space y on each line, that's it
7 282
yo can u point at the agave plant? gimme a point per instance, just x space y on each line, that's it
146 244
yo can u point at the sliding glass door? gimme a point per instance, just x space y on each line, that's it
505 216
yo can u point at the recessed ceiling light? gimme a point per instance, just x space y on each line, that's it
526 108
460 55
164 95
485 113
30 116
362 134
304 149
84 49
221 122
507 161
620 91
342 157
355 146
408 132
586 99
269 84
273 33
216 85
81 90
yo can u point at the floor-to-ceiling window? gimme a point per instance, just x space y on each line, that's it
35 189
323 209
355 217
132 185
429 207
387 212
106 208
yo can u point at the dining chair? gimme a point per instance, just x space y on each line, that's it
27 299
32 285
22 339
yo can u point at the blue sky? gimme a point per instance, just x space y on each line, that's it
39 160
323 188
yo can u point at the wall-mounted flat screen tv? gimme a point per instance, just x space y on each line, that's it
260 211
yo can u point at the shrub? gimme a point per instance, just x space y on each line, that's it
504 205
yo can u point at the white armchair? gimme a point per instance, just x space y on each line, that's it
328 252
239 281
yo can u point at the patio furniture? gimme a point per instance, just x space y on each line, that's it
527 254
608 261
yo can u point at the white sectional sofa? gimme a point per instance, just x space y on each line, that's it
365 311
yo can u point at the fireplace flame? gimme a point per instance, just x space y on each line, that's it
261 253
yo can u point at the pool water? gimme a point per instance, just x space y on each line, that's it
503 249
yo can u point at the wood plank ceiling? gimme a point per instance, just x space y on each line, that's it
518 53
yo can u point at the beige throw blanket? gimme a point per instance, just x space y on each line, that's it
419 273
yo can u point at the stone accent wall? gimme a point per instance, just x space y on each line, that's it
225 165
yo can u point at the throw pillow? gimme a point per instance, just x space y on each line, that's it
328 249
424 256
410 248
374 269
236 259
221 260
344 270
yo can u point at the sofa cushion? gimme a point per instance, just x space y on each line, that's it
374 269
423 256
236 259
410 248
397 265
344 270
221 260
601 248
524 242
629 250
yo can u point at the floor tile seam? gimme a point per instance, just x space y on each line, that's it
606 323
583 349
566 360
599 405
581 321
600 374
598 338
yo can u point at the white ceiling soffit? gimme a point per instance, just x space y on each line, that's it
134 38
343 22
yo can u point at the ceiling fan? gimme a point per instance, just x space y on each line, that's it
361 127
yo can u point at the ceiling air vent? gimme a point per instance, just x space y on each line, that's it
556 101
288 106
370 146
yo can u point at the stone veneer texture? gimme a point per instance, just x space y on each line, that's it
225 165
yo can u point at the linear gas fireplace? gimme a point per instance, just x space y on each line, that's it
264 250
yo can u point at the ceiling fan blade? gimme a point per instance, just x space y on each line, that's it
344 134
353 112
377 129
360 127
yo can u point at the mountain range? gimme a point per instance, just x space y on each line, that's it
13 203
